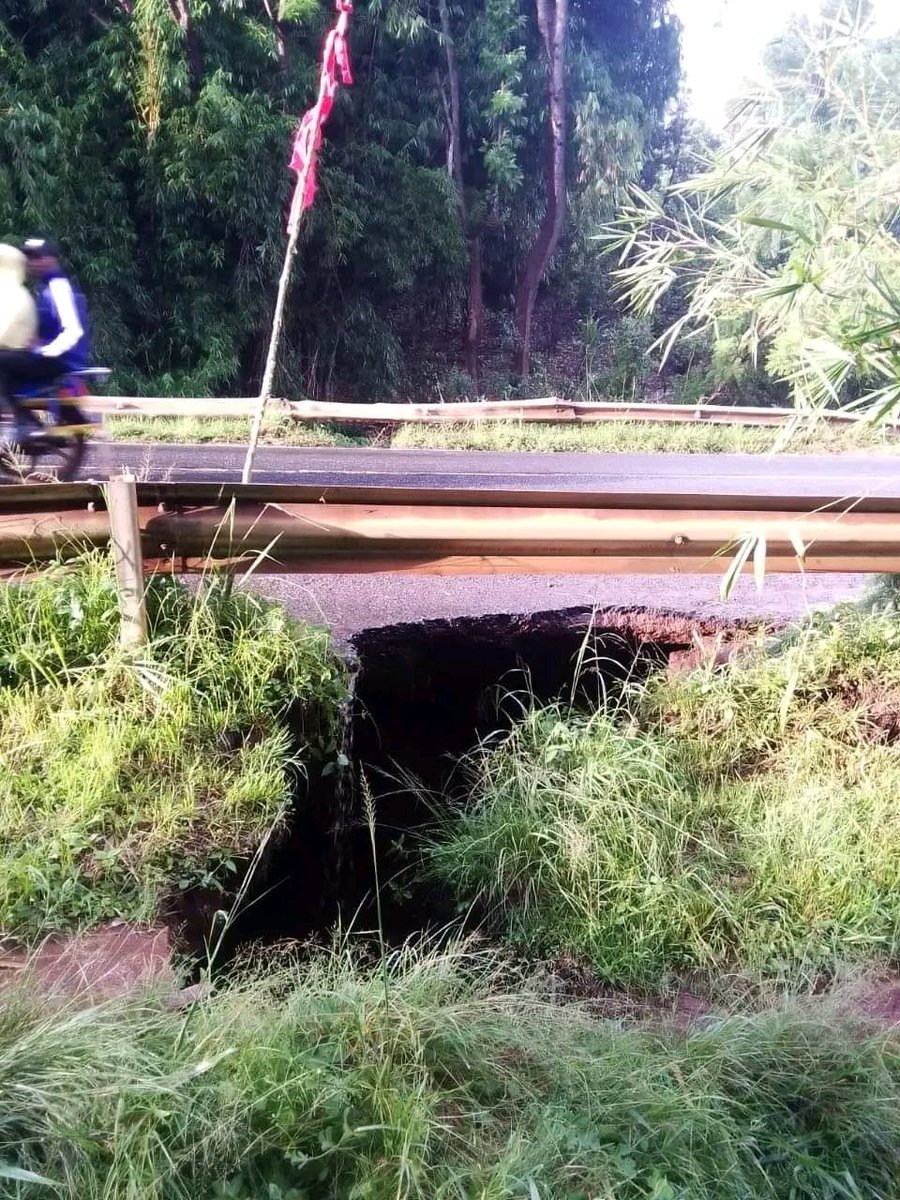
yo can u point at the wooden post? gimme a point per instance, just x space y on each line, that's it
125 538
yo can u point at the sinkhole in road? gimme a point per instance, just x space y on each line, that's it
423 695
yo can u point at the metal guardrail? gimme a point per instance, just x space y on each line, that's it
547 410
191 527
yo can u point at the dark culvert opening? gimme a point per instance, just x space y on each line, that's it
429 693
293 889
424 695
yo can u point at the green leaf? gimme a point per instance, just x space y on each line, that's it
297 10
759 562
799 547
785 705
764 222
20 1176
736 566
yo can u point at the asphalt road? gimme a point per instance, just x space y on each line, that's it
352 602
800 475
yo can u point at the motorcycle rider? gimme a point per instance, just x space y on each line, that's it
63 339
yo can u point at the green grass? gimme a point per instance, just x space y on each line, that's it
122 777
206 430
634 437
619 437
725 823
738 822
438 1078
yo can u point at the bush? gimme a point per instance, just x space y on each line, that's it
738 821
123 776
617 357
434 1077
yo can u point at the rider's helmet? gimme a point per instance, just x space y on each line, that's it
40 254
39 247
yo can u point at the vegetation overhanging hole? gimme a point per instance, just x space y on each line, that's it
423 696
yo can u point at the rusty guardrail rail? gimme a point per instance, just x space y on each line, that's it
546 410
190 527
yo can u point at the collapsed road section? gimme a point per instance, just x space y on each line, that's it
424 695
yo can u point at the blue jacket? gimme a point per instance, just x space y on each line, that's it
63 330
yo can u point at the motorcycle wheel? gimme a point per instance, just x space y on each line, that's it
43 459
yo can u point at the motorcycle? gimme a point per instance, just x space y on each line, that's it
55 450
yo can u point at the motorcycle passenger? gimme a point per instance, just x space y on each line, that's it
18 316
63 340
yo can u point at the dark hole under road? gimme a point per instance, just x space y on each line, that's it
424 695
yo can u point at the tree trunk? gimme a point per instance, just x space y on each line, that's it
181 11
454 164
274 13
552 16
476 310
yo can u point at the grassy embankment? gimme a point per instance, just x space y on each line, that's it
737 828
122 777
625 437
734 824
435 1078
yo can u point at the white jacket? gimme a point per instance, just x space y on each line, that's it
18 315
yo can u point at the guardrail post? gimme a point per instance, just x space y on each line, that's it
125 538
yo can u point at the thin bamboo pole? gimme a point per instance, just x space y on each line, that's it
265 391
294 221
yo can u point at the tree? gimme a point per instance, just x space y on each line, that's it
628 72
152 137
787 245
493 84
453 112
552 20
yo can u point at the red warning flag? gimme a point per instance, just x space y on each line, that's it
308 138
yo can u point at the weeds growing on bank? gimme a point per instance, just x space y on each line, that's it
637 437
738 819
632 437
124 776
728 822
277 431
456 1081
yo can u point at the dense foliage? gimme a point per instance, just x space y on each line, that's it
151 137
782 256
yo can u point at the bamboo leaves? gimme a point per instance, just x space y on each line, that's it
785 246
